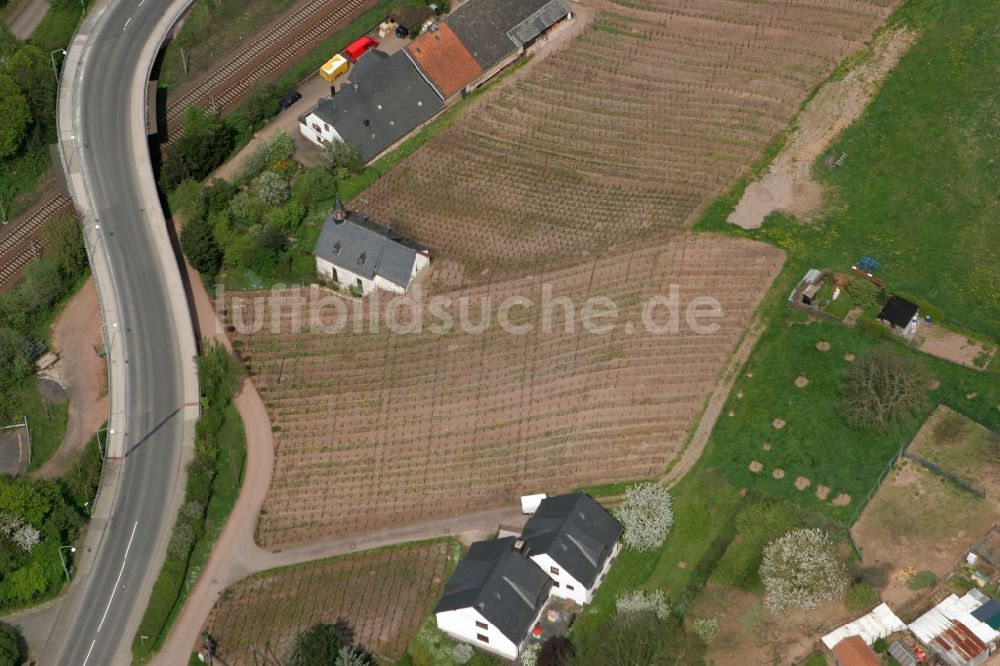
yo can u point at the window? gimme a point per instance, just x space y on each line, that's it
316 127
555 583
326 126
482 625
482 638
554 571
570 588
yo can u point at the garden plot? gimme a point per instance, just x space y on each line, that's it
381 597
374 429
627 132
919 521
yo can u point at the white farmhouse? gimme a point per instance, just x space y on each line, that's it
360 253
494 598
574 540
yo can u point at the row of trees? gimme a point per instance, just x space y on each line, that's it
27 101
24 308
251 224
37 517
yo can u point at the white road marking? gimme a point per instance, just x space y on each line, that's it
89 651
120 572
126 23
140 2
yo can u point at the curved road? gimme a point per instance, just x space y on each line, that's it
148 330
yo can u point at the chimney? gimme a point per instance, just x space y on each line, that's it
339 212
519 545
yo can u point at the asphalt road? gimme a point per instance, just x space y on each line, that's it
93 627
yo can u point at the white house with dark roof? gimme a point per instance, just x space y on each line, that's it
574 540
358 252
494 598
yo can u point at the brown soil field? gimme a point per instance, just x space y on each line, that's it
627 132
374 429
381 597
918 519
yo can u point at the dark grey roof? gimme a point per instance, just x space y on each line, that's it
391 96
505 588
988 613
367 248
490 29
575 531
898 312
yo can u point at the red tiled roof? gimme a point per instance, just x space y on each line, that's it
444 60
853 651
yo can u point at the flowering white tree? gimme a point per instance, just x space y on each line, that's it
801 570
20 532
632 602
705 628
272 188
647 515
349 656
529 656
462 653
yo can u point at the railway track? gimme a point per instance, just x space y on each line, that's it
299 33
230 82
22 243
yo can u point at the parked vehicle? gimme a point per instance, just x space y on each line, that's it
359 47
402 32
333 68
291 98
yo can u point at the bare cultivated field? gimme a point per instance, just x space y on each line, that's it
918 520
627 132
381 597
375 429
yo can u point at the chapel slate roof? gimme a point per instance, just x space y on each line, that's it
367 248
575 531
501 584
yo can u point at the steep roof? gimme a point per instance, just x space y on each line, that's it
575 531
501 584
444 60
367 248
853 651
493 29
898 312
386 99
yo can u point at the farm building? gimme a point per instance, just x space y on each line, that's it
953 633
494 597
496 32
357 252
574 540
444 61
878 623
853 651
386 99
900 315
807 288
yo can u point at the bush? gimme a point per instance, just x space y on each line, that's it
462 653
922 580
633 602
557 651
206 144
11 653
705 628
200 246
317 646
860 598
646 515
529 656
880 646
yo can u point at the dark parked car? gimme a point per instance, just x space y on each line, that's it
291 98
402 32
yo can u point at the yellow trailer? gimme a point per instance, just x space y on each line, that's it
333 68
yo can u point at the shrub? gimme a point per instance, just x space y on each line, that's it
529 656
462 653
705 628
860 598
557 651
10 646
880 645
801 570
317 646
646 515
922 580
206 144
634 602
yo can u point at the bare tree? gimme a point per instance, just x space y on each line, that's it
882 389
